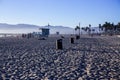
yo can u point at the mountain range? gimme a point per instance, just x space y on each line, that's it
27 28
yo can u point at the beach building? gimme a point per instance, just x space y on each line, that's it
44 31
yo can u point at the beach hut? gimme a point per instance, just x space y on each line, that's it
44 32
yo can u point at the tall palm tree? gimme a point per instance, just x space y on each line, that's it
89 29
118 27
77 28
100 27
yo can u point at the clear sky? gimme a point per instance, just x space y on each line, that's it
59 12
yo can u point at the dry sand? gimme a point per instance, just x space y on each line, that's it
33 59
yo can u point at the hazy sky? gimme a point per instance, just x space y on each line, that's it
59 12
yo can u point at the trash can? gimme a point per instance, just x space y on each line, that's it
59 44
72 40
77 37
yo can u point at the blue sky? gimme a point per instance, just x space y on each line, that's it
59 12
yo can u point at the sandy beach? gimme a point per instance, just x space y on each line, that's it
88 58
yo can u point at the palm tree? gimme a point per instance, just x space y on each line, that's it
118 28
89 29
108 26
77 28
100 27
83 28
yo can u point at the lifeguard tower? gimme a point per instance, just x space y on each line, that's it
44 32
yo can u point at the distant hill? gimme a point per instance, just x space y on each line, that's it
60 29
18 26
26 28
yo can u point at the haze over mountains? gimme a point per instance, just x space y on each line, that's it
27 28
